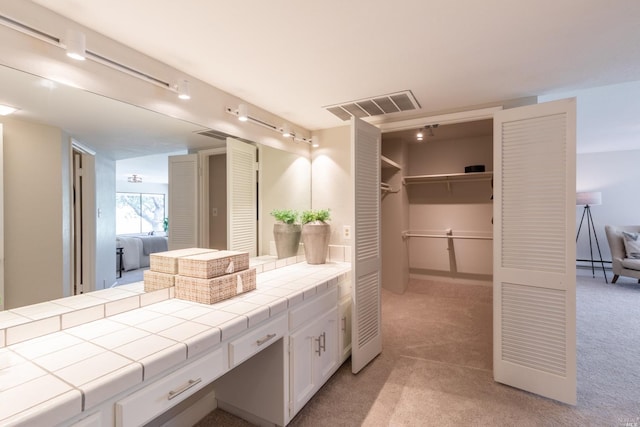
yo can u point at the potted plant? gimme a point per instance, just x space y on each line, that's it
315 235
286 232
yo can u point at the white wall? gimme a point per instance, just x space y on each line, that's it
331 185
33 201
105 250
607 146
285 183
616 174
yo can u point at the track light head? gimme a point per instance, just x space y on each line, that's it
75 42
243 114
183 89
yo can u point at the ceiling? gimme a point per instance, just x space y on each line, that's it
295 57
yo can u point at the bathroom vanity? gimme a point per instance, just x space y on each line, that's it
123 357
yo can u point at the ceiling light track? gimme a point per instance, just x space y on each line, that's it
26 29
285 129
96 57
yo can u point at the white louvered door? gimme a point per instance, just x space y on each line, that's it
534 283
241 197
183 201
366 327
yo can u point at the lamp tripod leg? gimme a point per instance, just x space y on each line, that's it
590 220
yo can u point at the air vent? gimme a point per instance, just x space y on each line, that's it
212 133
222 136
375 106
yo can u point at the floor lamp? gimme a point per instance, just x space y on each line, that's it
589 199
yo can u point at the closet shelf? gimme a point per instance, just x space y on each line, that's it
448 178
387 163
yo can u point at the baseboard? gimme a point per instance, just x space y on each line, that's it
471 279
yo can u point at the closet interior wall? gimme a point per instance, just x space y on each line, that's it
437 207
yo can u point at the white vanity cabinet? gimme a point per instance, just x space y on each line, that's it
313 348
344 331
161 395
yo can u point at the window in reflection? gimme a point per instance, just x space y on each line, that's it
139 213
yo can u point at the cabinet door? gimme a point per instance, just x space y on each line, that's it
344 331
303 347
326 359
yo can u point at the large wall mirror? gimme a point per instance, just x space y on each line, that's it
58 130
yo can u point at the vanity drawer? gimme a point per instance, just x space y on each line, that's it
256 340
156 398
313 309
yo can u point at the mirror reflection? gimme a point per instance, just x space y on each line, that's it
66 155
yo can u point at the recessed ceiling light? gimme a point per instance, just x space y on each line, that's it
5 110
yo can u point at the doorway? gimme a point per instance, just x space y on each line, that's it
83 222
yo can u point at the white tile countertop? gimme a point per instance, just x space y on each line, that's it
80 362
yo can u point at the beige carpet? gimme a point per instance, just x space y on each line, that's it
435 368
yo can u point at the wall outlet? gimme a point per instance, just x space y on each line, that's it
346 232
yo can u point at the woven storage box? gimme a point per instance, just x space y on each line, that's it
209 291
167 262
154 280
213 264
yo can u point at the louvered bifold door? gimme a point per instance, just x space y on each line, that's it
534 249
366 330
241 197
183 201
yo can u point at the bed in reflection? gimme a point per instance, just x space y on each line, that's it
137 248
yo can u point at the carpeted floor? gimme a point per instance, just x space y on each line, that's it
436 366
131 276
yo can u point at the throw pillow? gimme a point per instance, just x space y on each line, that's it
632 244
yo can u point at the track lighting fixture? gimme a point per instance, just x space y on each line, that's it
428 128
243 114
75 44
286 131
183 89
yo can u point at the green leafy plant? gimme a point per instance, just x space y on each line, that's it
286 216
322 215
165 224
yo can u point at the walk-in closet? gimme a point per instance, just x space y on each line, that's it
437 203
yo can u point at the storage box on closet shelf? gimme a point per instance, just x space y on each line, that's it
163 267
214 276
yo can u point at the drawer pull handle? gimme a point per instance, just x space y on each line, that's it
323 346
319 350
183 388
265 339
344 324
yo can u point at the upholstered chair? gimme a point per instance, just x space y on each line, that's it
621 263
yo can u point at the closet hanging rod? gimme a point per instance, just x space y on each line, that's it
445 236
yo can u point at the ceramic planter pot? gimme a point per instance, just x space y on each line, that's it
287 238
315 238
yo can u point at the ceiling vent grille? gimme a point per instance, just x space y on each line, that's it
375 106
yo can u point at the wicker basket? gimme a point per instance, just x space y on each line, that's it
167 262
213 264
154 280
209 291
